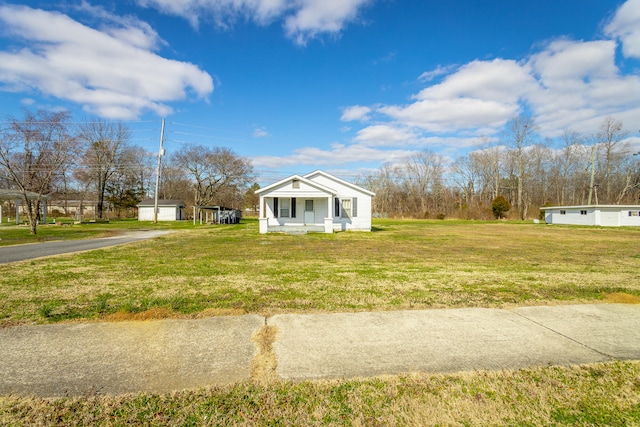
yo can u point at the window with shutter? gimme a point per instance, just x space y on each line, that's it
336 212
285 205
354 207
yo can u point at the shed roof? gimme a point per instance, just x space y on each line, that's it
592 207
6 194
165 202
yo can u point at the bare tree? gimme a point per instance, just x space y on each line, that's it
565 165
217 173
424 180
518 135
611 153
32 151
106 145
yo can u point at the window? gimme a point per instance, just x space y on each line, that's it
308 205
295 183
284 208
634 213
346 208
563 212
583 212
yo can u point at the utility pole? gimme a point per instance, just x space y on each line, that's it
160 154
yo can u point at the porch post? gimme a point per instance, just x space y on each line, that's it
262 220
328 221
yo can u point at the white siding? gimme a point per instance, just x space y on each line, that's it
165 213
605 215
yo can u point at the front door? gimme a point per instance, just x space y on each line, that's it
309 213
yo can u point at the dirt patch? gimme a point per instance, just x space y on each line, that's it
152 314
622 298
263 366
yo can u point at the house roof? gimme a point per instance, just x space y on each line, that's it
308 179
165 202
341 181
301 179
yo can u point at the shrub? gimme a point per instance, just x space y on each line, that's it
500 206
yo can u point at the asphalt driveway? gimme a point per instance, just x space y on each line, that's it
38 250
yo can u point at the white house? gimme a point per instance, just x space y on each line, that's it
602 215
317 202
168 210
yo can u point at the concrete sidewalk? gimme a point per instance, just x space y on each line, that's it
165 355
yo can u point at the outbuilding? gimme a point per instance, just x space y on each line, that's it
601 215
315 202
168 210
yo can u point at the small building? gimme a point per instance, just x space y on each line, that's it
316 202
168 210
601 215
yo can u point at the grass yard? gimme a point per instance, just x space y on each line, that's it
214 270
594 395
209 270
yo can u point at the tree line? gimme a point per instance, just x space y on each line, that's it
46 155
94 162
529 172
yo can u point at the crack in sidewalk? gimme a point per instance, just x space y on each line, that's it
565 336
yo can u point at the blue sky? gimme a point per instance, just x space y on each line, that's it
339 85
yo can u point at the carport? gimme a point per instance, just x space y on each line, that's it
16 197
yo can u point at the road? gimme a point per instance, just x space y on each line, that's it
38 250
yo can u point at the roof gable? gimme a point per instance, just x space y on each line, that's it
340 181
292 178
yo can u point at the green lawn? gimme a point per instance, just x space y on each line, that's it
213 270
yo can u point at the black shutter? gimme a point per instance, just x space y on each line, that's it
275 207
354 207
337 208
293 207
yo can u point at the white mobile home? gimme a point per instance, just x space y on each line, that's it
168 210
316 202
602 215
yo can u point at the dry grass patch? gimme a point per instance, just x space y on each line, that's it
622 298
600 394
264 364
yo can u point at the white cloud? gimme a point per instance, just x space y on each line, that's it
320 16
339 154
564 60
428 76
566 84
302 19
260 132
355 112
625 25
385 136
112 73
